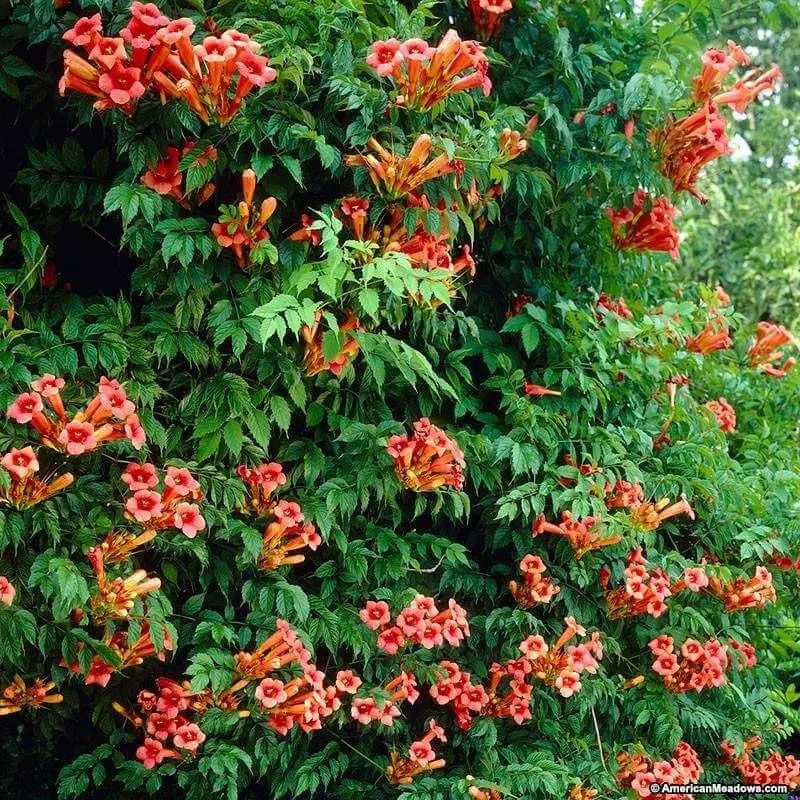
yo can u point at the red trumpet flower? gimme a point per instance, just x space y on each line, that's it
239 227
618 307
155 510
713 337
109 416
212 78
716 66
398 175
315 360
743 593
774 769
27 488
18 695
582 535
646 225
421 758
688 144
696 666
166 178
639 772
420 622
724 413
535 587
765 350
426 75
428 459
489 17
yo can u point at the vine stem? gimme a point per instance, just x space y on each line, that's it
356 750
599 740
28 274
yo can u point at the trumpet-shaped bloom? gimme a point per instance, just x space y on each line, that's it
646 225
7 591
21 463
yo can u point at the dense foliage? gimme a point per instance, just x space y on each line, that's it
363 438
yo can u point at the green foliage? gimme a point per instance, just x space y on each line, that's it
215 358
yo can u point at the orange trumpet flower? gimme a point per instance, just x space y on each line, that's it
398 175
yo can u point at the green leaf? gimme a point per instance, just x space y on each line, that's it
281 413
233 436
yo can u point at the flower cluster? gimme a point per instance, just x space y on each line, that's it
747 89
302 700
646 225
26 488
765 351
426 75
605 304
427 459
644 591
153 52
115 597
688 144
743 593
724 413
512 144
774 769
579 792
313 336
490 793
168 713
118 546
421 758
396 176
510 687
649 515
261 482
166 177
561 666
240 228
623 494
746 652
420 622
786 562
638 771
455 689
716 65
644 513
169 508
287 532
18 695
432 251
367 710
535 587
109 416
714 336
284 700
488 17
696 666
583 535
